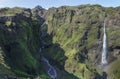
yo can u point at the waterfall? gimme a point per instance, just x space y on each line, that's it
104 50
51 71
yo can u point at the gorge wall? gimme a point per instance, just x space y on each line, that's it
70 35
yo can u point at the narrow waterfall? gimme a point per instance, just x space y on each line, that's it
51 70
104 50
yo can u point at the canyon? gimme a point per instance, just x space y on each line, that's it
68 42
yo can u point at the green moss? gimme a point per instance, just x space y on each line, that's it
66 33
27 56
80 69
8 23
21 73
92 36
113 35
5 70
114 71
10 11
21 49
43 76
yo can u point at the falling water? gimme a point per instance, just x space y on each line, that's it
104 51
51 71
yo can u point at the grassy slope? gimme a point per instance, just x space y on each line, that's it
68 27
66 34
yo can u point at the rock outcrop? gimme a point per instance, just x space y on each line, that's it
71 37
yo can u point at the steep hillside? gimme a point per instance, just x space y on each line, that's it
71 39
19 41
79 31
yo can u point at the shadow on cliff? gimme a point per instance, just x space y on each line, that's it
103 76
21 43
54 53
18 35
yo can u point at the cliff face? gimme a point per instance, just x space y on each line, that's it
79 31
19 41
71 38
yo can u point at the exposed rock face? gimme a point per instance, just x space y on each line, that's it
79 31
70 36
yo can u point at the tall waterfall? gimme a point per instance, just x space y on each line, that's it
104 50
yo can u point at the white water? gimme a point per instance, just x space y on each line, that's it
51 71
104 51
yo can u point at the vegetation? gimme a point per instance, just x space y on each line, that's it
114 71
71 38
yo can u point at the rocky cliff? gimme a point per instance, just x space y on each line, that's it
71 37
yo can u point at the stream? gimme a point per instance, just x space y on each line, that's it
50 69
